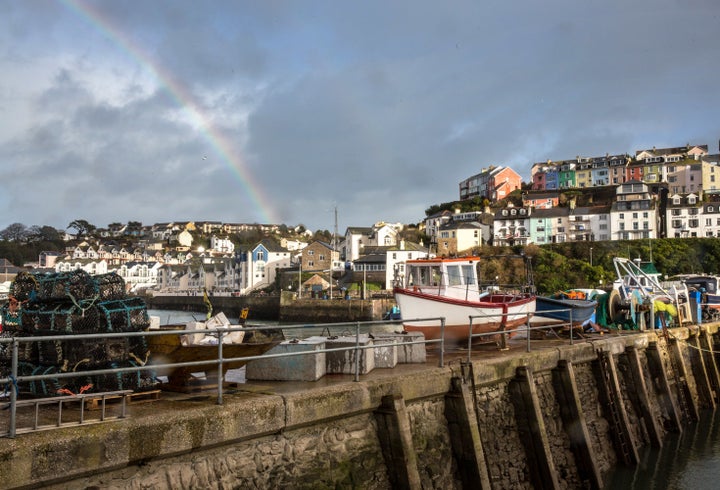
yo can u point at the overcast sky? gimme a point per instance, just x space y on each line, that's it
283 111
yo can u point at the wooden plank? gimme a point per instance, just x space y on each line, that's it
95 403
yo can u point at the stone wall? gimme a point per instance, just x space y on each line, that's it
556 417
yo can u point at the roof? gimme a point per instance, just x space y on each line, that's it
458 225
270 245
372 259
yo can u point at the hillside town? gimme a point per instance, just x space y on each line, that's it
657 193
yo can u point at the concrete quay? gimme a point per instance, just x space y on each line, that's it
561 415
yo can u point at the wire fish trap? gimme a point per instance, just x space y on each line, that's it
124 315
83 354
77 286
61 318
110 286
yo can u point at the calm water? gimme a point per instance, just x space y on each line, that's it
176 316
687 461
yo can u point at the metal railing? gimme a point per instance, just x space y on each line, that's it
526 328
13 380
351 329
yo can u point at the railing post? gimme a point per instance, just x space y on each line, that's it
13 388
470 318
220 368
571 326
529 331
357 351
442 342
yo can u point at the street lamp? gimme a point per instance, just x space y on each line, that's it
591 262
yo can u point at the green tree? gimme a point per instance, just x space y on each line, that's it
16 232
83 227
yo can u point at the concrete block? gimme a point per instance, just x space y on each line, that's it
343 362
306 367
407 353
385 352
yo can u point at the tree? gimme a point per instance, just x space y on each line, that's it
82 227
16 232
43 234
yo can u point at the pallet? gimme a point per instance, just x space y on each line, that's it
130 398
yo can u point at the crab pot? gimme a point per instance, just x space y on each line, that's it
132 380
110 286
54 318
76 286
27 351
83 354
124 315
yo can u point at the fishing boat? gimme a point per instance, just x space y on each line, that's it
573 306
638 300
198 341
709 288
448 288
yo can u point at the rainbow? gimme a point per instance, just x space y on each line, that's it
219 143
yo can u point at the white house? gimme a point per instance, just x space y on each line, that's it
633 215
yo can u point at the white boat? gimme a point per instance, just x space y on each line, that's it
448 288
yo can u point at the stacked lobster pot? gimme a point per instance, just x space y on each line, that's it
71 303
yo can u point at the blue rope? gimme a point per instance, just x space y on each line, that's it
12 382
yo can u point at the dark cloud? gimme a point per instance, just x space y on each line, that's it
376 108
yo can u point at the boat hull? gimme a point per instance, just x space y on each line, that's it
495 313
550 311
169 349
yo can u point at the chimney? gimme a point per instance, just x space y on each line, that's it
402 244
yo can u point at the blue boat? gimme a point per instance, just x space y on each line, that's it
561 308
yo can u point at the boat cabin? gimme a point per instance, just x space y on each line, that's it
704 284
447 277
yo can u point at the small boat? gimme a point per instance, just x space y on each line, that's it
563 308
190 344
392 314
448 288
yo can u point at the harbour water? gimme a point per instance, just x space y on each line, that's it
687 461
297 331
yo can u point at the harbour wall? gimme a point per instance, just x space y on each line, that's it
285 307
561 416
